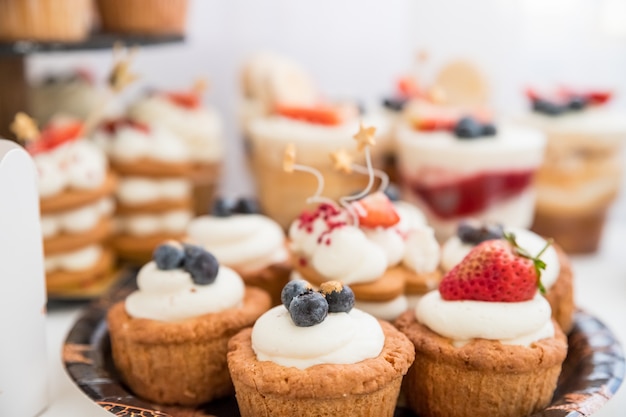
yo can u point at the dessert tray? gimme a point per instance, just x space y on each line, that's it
592 372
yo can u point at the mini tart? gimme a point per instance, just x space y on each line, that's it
271 279
366 388
561 294
183 362
482 378
74 198
61 281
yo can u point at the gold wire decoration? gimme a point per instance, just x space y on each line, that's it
289 165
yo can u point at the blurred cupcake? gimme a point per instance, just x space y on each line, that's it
199 126
456 166
45 20
75 94
154 196
582 171
251 244
144 17
75 188
169 338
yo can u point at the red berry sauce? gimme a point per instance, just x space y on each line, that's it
472 194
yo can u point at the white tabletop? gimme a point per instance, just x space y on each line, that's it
600 286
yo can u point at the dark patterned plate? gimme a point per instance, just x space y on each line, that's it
592 372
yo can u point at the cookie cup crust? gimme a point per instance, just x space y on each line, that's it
183 362
561 295
366 388
482 378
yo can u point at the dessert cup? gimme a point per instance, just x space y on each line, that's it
251 244
369 387
581 175
169 338
483 377
144 17
313 143
489 178
45 20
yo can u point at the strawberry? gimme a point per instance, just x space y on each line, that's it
598 97
495 270
189 100
56 135
431 124
407 87
320 114
111 126
376 210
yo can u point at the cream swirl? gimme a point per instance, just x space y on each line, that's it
73 165
200 127
77 260
245 242
171 295
342 338
512 323
454 250
174 221
129 144
142 190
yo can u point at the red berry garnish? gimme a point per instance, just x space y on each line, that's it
55 135
376 210
111 126
497 271
320 114
188 100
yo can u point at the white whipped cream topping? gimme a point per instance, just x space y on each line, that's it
200 128
128 144
454 250
435 156
173 296
174 221
354 255
77 220
73 165
342 338
590 121
77 260
246 242
520 323
384 310
142 190
313 142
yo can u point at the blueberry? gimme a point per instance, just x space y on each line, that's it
468 128
340 297
489 130
222 207
392 192
475 235
547 107
201 264
246 206
168 256
394 104
308 309
292 289
577 103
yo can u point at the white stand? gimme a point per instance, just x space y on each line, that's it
23 382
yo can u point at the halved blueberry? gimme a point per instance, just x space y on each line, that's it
547 107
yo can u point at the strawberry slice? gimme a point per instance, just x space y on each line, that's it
320 114
56 135
532 94
188 100
376 210
497 271
598 97
111 126
431 124
407 87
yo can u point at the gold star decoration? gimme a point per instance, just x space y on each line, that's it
365 137
121 75
289 160
342 161
200 85
25 128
